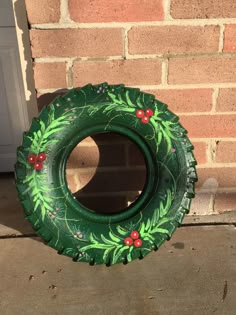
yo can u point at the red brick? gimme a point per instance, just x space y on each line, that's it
226 101
82 157
103 204
119 181
189 100
109 138
129 72
135 156
77 42
208 126
226 152
50 75
73 178
203 9
202 70
230 38
225 202
43 11
200 152
173 39
115 10
99 156
112 155
72 182
211 178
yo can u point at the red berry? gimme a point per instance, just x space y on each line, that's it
32 159
128 241
41 157
139 113
138 243
149 112
38 166
134 235
145 120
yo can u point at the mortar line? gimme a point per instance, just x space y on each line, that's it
221 39
69 73
162 87
53 59
144 56
216 165
213 151
64 19
175 22
76 58
166 7
211 204
126 42
215 95
208 152
164 72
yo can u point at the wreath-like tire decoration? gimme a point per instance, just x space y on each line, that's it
67 225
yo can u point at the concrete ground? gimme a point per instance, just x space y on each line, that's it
193 273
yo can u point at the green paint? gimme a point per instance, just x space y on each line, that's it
77 231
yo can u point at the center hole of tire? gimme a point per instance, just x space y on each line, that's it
106 173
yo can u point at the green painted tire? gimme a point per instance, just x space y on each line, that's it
67 225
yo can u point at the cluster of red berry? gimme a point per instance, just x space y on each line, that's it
134 239
144 116
37 160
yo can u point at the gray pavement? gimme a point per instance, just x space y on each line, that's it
193 273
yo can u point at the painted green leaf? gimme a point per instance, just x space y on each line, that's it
107 241
160 230
129 256
142 229
37 203
118 253
113 237
120 230
106 253
128 99
43 127
94 246
92 239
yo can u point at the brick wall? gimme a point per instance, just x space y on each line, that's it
183 51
